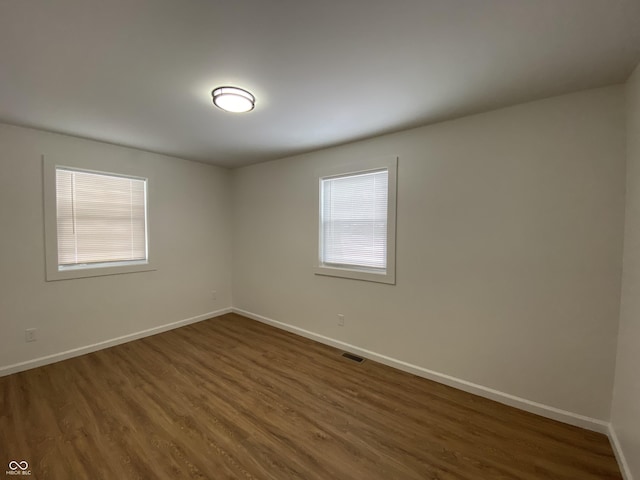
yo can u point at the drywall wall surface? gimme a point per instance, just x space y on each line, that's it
509 247
190 238
625 414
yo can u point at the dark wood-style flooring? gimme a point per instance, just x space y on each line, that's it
230 398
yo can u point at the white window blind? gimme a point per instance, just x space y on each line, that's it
101 218
354 220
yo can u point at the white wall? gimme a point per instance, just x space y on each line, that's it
509 249
192 245
625 416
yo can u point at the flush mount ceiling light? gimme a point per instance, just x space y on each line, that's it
233 99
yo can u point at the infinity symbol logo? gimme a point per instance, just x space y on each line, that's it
23 465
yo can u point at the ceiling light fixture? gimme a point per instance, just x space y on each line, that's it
233 99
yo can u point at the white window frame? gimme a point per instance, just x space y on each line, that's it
355 273
53 270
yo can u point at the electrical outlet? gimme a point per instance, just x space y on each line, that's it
30 335
214 294
340 320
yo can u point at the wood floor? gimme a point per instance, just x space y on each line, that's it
230 398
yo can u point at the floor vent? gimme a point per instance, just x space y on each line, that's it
353 357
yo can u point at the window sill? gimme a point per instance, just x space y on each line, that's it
354 274
70 273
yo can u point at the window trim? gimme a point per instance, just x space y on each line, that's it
354 168
52 270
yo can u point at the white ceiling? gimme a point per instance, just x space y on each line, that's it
140 72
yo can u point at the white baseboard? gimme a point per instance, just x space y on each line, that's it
617 450
547 411
502 397
56 357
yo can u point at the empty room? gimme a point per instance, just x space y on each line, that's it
350 240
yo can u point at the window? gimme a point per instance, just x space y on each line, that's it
101 219
357 222
95 223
